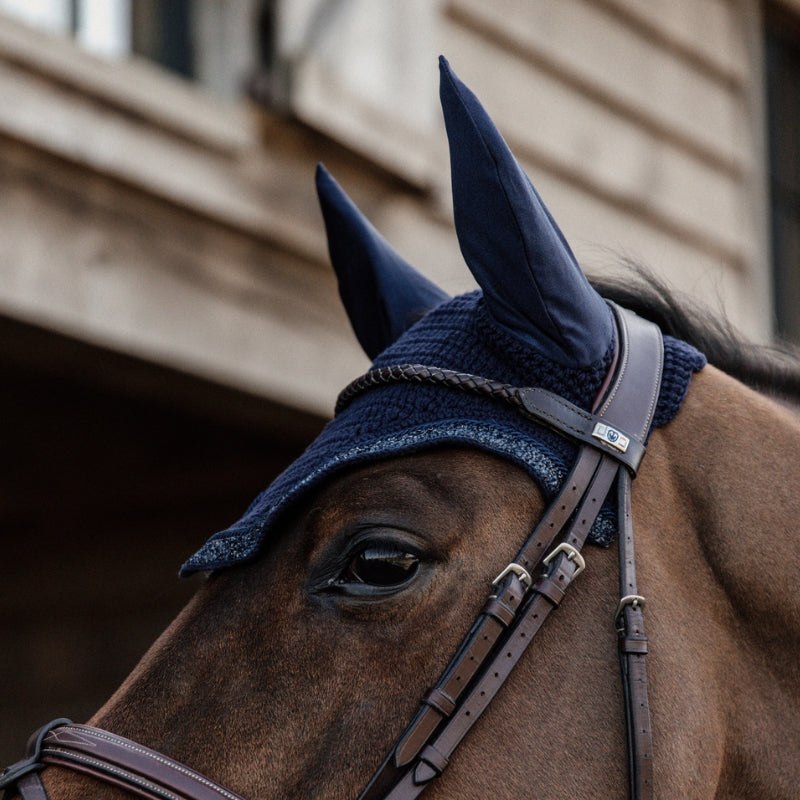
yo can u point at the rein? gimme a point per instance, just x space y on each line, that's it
611 443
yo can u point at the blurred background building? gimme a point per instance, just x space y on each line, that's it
170 334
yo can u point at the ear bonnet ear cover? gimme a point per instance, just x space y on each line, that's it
381 292
530 278
485 333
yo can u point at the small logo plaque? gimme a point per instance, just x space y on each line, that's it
611 436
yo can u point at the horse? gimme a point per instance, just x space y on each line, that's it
342 595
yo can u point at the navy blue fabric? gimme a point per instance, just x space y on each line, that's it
538 324
382 293
405 418
512 245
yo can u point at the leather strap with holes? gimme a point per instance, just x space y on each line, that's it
611 446
518 607
632 652
498 612
545 595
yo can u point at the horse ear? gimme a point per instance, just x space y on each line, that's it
530 278
382 293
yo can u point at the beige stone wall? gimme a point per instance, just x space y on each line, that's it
641 123
141 212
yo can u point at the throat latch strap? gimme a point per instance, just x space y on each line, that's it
643 356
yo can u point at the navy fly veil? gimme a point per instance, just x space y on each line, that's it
535 322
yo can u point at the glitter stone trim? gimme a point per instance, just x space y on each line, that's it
242 542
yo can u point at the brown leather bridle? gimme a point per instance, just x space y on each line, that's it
611 443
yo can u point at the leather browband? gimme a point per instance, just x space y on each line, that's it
612 441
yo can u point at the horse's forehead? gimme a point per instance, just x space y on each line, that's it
429 477
446 481
451 476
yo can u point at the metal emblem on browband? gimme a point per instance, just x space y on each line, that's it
611 436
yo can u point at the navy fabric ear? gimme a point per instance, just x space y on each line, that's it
513 247
382 293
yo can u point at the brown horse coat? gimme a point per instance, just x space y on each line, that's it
278 689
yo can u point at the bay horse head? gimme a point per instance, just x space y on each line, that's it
495 433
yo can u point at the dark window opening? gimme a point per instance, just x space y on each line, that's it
782 54
162 31
261 84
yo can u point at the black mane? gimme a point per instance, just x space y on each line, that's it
773 370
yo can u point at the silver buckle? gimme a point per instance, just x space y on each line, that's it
629 600
520 571
572 555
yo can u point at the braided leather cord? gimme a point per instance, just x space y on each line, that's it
419 373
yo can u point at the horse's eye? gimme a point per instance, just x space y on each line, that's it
381 565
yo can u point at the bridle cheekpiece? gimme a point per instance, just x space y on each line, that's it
611 443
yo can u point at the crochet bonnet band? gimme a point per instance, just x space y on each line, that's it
535 321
